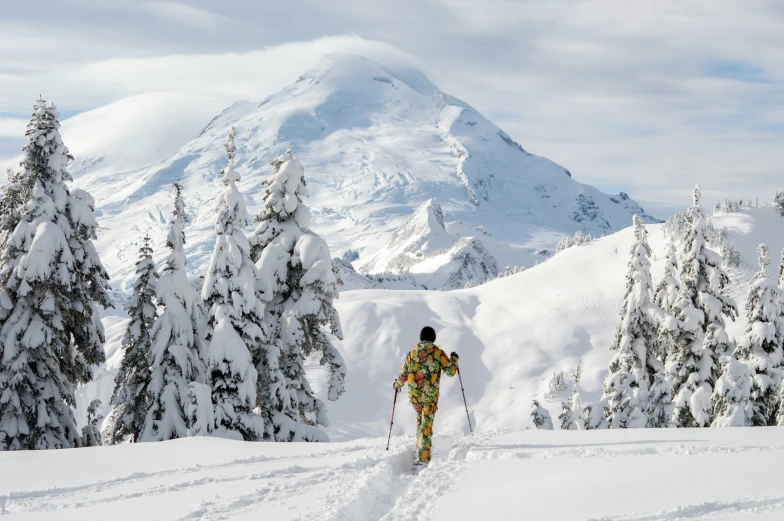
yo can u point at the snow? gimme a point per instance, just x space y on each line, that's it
552 475
376 143
511 334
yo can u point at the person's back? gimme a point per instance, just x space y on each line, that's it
421 371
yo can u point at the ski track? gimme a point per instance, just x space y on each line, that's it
73 497
364 482
708 510
525 452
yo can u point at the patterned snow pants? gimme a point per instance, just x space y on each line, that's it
425 415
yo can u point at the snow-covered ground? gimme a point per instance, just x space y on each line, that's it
629 475
512 335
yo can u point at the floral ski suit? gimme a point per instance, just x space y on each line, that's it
422 372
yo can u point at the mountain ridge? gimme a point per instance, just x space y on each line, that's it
376 143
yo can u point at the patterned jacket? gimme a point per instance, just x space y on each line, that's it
422 372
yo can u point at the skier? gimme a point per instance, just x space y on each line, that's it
422 372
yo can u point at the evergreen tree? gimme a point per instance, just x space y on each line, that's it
698 331
566 417
235 315
660 406
636 342
572 416
541 417
176 353
666 293
10 206
576 404
781 272
730 401
298 286
596 415
91 433
780 411
49 281
131 398
91 285
760 346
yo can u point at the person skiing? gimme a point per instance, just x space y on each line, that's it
421 371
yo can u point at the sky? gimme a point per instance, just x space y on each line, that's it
645 97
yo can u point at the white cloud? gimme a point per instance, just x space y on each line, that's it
184 14
12 128
641 96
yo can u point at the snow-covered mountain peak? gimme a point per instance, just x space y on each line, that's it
353 73
422 234
376 143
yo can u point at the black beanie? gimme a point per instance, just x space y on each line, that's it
428 334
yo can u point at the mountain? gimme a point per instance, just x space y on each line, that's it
436 256
376 143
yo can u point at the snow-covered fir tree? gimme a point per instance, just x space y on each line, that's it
596 415
10 205
699 338
660 404
176 351
636 344
781 273
50 280
131 398
666 293
90 287
760 346
91 432
566 417
780 411
298 286
541 417
576 404
572 415
730 401
235 315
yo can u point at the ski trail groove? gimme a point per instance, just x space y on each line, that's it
334 477
707 510
15 497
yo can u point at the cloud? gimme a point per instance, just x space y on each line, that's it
12 128
641 96
185 14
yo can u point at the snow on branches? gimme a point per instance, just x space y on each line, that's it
699 338
298 285
130 397
51 281
234 314
760 346
636 345
176 357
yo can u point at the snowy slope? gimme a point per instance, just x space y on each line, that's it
376 143
512 333
630 475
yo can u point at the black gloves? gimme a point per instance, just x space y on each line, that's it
454 355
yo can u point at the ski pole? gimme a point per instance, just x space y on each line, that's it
465 402
392 422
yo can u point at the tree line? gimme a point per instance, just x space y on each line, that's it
673 363
227 361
